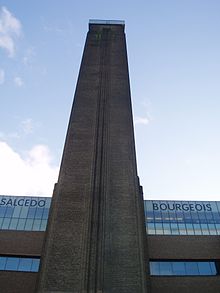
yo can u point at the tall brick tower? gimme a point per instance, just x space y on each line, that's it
95 240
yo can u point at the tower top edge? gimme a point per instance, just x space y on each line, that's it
107 22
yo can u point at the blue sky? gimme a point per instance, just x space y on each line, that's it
174 62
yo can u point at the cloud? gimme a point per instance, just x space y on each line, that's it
10 28
32 175
18 81
2 76
141 120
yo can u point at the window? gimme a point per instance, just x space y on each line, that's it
182 217
24 213
19 264
183 268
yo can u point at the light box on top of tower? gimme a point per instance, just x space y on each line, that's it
111 22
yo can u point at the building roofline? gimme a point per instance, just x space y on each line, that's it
107 22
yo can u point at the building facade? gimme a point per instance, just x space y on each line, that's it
23 223
100 237
183 244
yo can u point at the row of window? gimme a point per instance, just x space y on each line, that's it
183 268
22 224
24 212
182 218
20 264
182 229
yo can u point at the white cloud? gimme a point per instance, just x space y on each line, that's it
2 76
32 175
141 120
10 28
18 81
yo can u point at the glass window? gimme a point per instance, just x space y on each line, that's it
179 268
16 212
25 264
45 213
39 213
31 213
22 264
24 212
183 268
15 208
35 265
189 229
9 212
218 228
166 229
197 229
150 228
36 225
212 229
13 224
2 263
166 268
12 264
159 228
1 221
193 218
28 224
182 229
21 223
192 268
204 268
2 211
205 230
155 268
43 225
213 267
6 223
174 229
